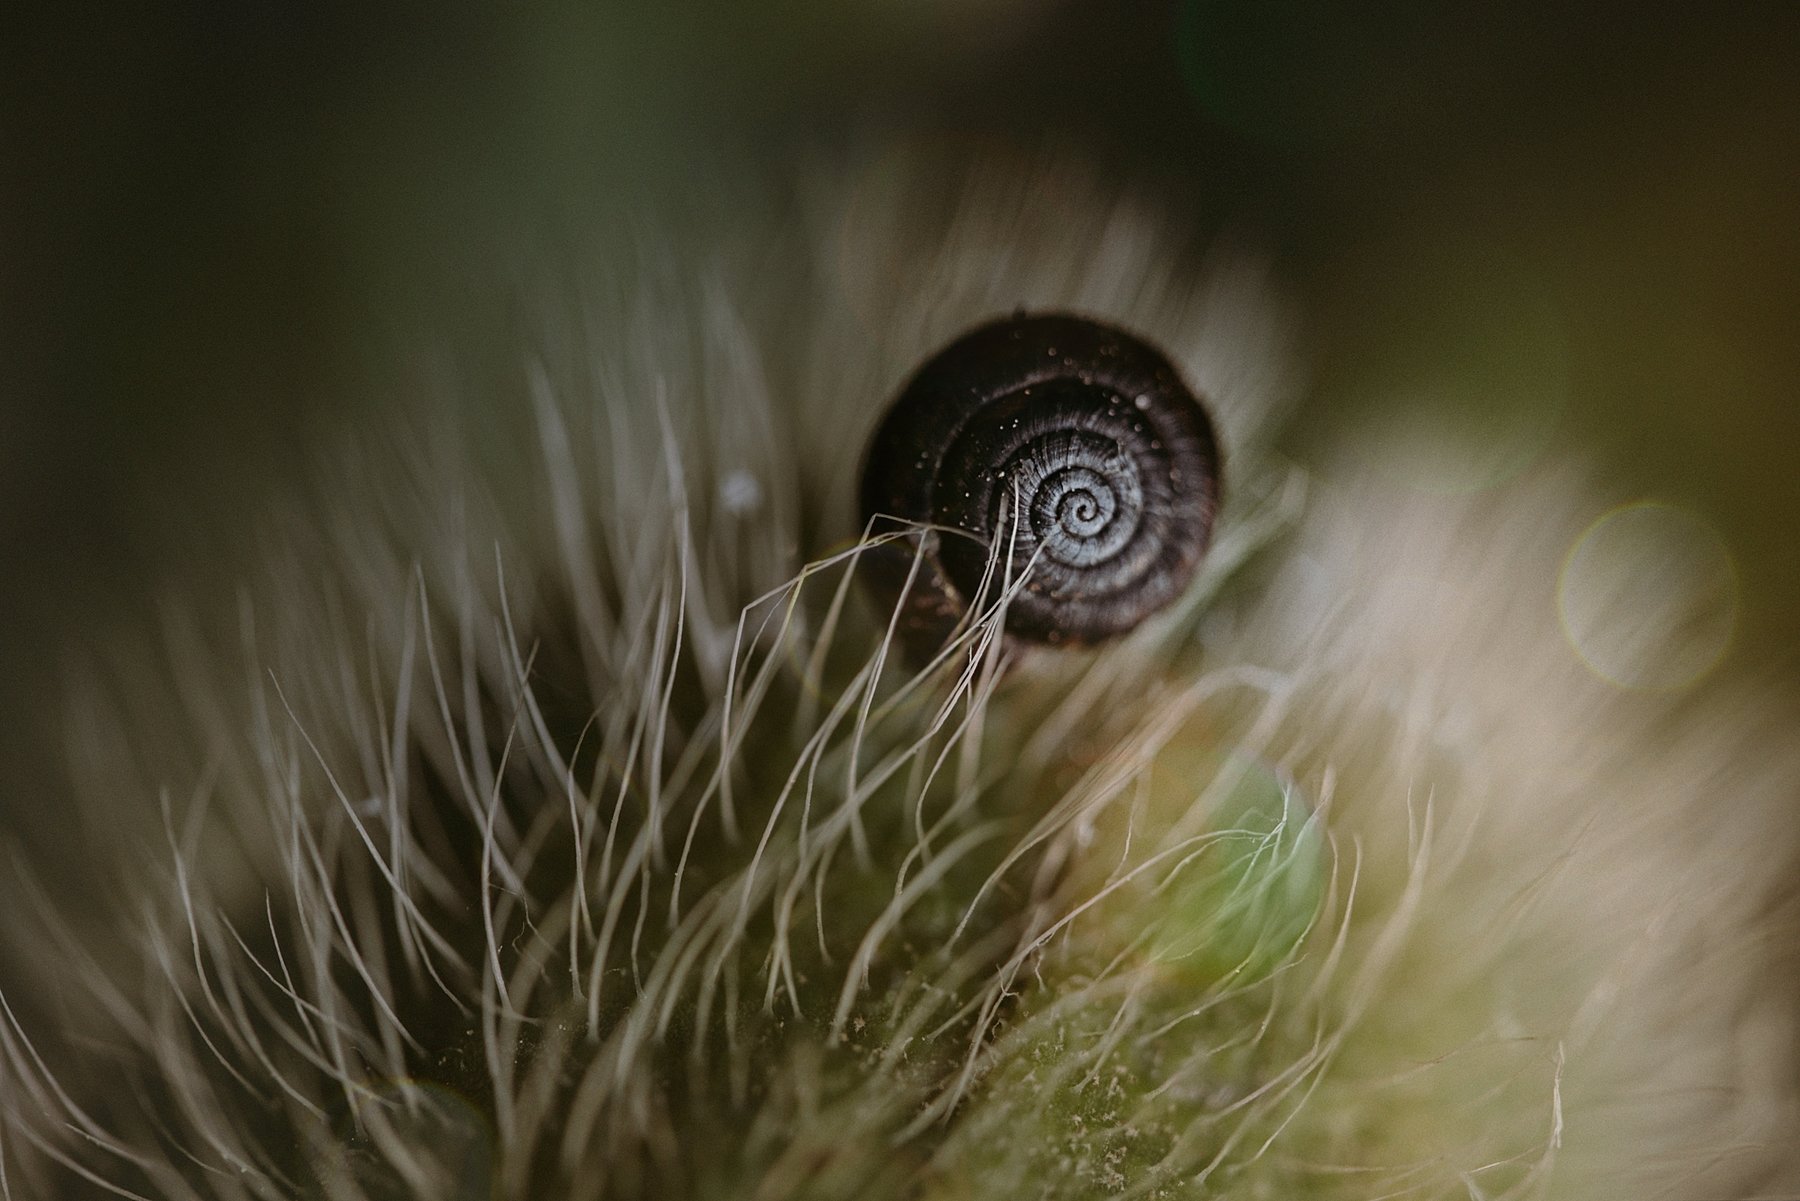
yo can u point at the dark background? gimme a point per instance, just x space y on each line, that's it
1576 224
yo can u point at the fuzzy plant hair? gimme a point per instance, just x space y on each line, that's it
552 814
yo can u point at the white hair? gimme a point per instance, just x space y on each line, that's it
552 817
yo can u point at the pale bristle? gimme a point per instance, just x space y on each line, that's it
555 817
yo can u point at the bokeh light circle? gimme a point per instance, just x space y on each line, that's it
1648 597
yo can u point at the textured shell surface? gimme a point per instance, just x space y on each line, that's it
553 815
1068 446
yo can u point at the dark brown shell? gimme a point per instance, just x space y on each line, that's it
1084 433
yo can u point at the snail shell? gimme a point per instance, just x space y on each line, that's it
1069 443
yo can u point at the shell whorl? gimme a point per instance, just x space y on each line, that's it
1074 446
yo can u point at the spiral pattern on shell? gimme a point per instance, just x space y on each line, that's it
1072 447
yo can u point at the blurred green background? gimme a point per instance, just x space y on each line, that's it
1527 226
